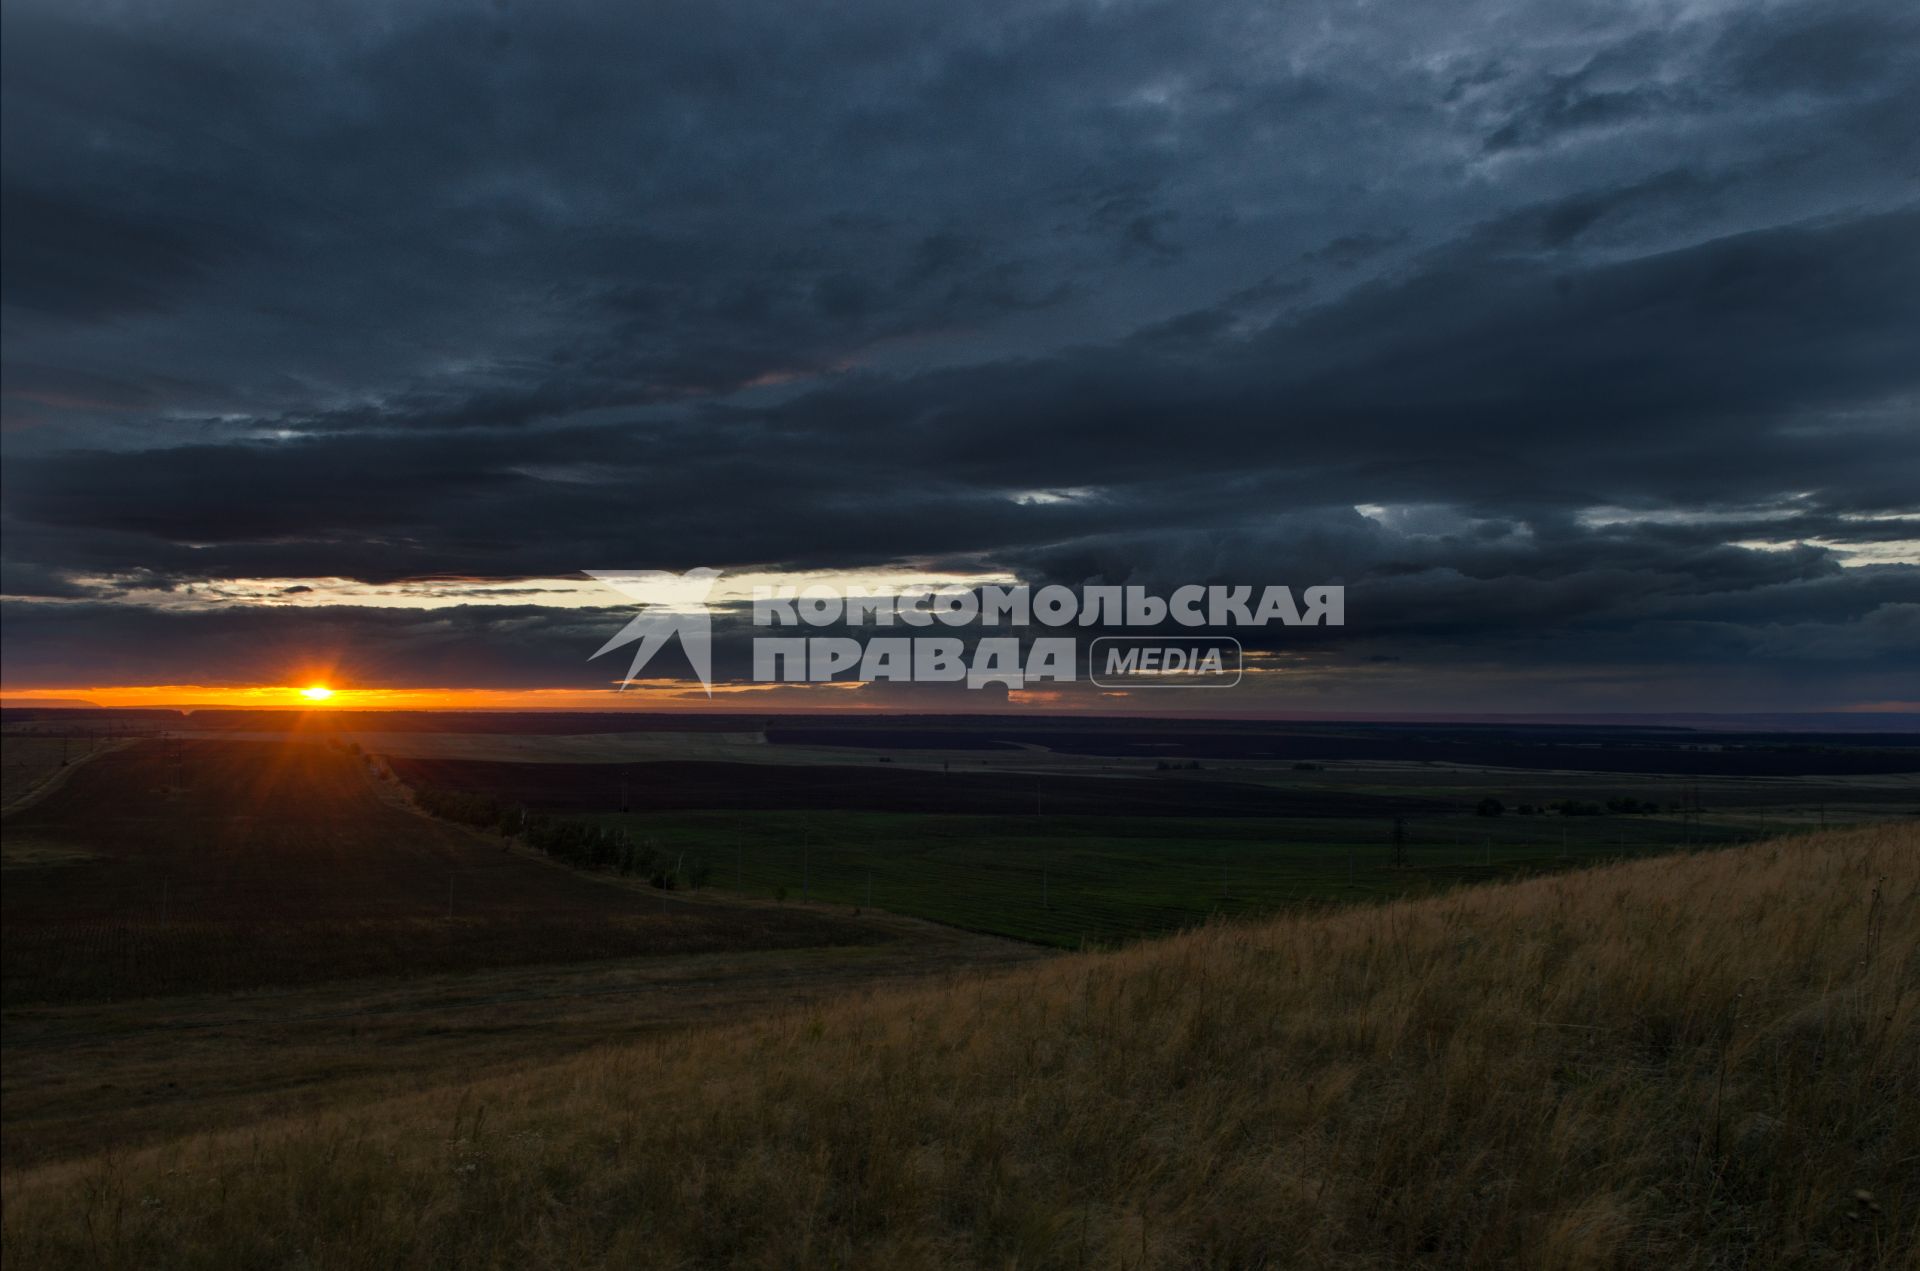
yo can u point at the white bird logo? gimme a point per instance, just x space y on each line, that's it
675 603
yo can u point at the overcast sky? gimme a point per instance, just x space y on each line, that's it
1580 341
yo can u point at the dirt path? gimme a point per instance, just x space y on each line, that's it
59 777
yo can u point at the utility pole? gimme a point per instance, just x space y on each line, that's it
1399 840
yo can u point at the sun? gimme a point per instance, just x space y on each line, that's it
316 692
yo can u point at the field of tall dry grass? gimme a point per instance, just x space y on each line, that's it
1703 1061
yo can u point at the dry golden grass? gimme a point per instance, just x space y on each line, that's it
1692 1062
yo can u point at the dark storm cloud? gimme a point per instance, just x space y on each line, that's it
1838 50
68 260
1550 333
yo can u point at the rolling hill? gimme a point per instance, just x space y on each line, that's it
1694 1061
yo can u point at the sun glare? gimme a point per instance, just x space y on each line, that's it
316 692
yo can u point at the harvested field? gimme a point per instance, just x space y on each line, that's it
178 866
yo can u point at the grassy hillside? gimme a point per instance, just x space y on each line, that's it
1696 1061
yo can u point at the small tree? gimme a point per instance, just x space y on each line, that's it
1489 806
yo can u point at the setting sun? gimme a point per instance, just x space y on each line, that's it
316 692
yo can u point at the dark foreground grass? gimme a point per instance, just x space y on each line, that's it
1691 1062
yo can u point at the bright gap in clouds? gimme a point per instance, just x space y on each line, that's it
558 593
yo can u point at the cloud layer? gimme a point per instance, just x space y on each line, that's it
1577 341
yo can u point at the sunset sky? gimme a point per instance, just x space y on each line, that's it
1580 342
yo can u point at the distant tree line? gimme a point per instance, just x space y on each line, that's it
574 841
1491 806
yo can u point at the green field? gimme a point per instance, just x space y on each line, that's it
1072 881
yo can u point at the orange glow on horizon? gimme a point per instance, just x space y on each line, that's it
661 695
